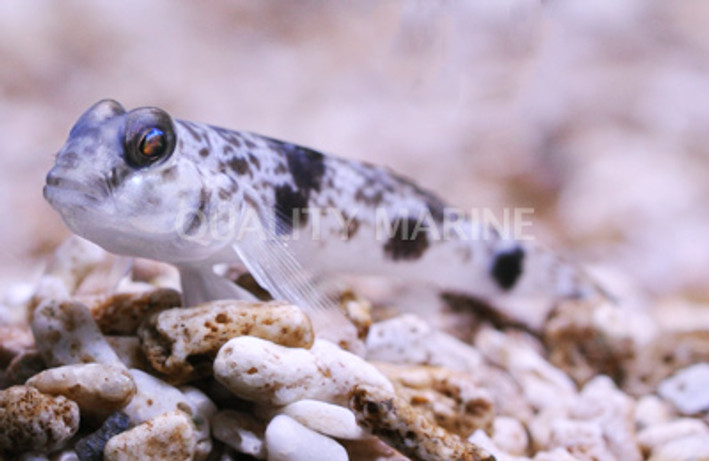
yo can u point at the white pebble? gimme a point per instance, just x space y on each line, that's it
326 418
66 333
169 436
688 389
651 438
510 435
66 455
481 439
411 339
288 440
153 397
558 454
261 371
98 389
582 438
694 448
543 384
651 410
613 410
240 431
203 409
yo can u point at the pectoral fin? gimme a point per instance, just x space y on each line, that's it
267 255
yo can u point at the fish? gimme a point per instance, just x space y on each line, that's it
141 183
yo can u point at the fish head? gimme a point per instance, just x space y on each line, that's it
123 181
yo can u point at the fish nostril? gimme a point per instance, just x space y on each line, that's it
53 179
67 159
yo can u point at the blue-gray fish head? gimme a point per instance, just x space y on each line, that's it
121 181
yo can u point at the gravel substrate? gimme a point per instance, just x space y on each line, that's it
112 366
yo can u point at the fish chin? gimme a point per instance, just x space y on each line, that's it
148 236
115 235
119 225
77 210
86 215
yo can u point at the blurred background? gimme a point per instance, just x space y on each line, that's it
593 112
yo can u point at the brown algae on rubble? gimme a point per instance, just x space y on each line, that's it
33 421
182 343
123 313
454 400
392 419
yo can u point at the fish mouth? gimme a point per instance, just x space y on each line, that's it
62 191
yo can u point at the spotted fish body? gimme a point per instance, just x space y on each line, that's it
141 183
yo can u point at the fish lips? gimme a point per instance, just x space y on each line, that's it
61 190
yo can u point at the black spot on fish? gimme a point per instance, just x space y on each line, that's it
199 217
436 207
375 183
204 152
239 165
153 201
251 201
223 194
408 240
232 137
306 166
115 177
281 168
507 268
254 161
291 206
169 174
369 196
233 185
204 194
351 226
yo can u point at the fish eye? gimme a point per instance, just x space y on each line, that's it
152 143
149 137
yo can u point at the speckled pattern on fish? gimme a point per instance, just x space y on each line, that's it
142 183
